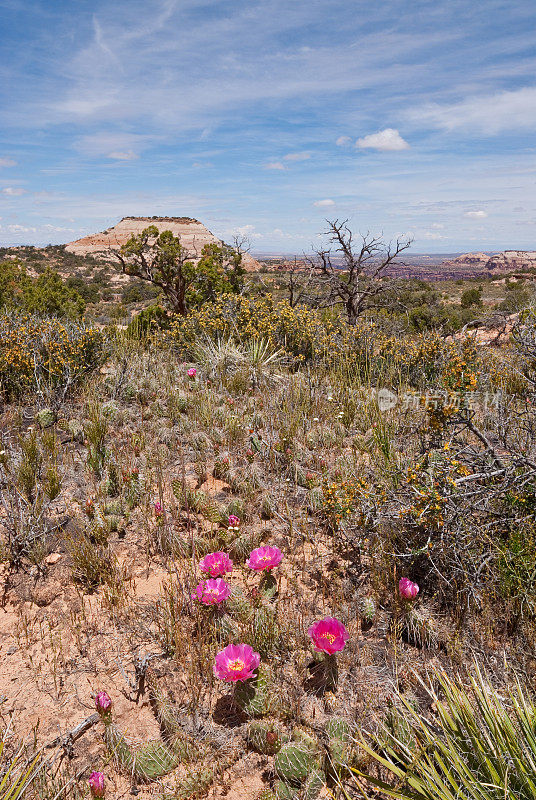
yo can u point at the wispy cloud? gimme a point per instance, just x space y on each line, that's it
7 162
485 114
327 203
275 165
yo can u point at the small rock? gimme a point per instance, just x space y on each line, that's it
53 558
12 650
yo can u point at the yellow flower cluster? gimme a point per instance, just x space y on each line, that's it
340 498
36 352
301 331
432 486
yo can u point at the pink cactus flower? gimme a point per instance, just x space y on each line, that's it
211 592
103 703
192 372
96 784
408 589
236 662
265 558
234 522
158 510
216 564
328 635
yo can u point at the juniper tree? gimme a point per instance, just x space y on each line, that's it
161 259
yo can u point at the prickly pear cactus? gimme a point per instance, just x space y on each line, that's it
294 762
265 632
264 737
259 696
239 605
339 755
45 418
266 794
145 763
195 784
285 792
227 629
313 785
242 546
187 748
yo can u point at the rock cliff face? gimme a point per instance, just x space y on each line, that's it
193 234
512 260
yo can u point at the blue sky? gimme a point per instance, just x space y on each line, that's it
265 118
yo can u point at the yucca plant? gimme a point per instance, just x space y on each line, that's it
16 771
262 360
480 746
219 358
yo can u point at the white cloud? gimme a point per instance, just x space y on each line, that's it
13 191
387 140
343 141
296 157
123 155
274 165
248 231
327 203
487 114
7 162
476 214
20 229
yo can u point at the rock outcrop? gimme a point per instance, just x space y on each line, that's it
193 234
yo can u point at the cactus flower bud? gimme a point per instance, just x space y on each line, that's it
234 522
96 784
103 703
408 589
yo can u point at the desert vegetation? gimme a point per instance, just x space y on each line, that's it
264 546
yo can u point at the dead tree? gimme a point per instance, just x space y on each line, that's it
353 276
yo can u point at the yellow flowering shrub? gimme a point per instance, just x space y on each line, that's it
38 354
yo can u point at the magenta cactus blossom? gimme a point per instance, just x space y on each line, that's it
408 589
236 662
328 635
234 522
158 509
96 784
192 372
211 592
265 558
103 703
216 564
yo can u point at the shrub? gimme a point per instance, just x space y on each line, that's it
46 294
41 355
301 331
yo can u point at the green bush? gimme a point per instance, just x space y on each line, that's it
45 354
46 295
